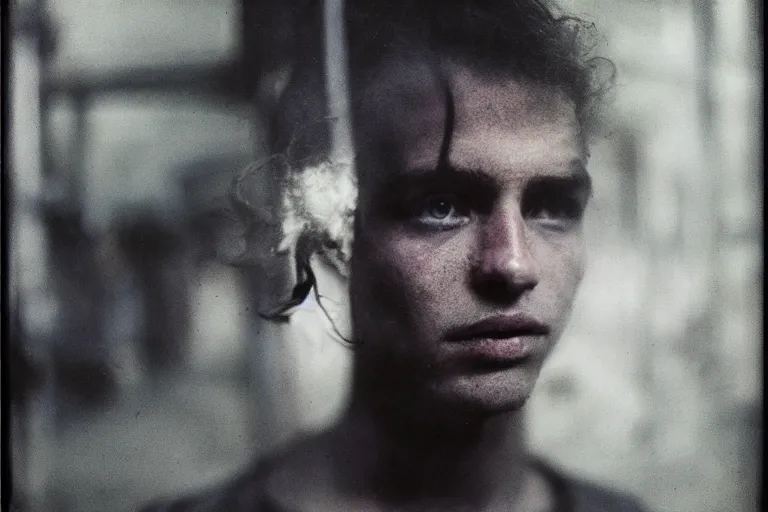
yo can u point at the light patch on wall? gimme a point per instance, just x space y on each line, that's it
217 320
103 35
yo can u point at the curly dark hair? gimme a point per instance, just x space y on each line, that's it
531 40
520 38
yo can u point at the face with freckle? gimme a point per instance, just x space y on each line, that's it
493 232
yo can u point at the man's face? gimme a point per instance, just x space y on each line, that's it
463 277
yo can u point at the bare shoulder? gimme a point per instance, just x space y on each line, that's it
589 497
274 483
244 492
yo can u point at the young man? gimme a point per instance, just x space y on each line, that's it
470 125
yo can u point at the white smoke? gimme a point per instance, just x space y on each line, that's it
321 199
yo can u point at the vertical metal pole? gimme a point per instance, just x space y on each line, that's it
703 17
336 80
28 256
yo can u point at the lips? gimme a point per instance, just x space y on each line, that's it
503 338
499 327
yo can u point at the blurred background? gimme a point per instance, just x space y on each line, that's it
139 368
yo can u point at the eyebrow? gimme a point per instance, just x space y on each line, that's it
577 178
449 177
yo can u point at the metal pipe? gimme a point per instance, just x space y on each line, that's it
708 239
336 80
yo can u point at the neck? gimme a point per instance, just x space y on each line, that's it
405 452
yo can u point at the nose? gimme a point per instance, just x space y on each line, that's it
504 265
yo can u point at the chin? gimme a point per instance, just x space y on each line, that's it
489 393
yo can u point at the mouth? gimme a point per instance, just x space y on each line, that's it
498 340
499 328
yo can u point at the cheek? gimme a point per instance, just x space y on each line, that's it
432 269
578 260
562 267
405 276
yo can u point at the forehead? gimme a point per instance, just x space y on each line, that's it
502 125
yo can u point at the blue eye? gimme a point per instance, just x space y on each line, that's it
557 213
439 209
442 212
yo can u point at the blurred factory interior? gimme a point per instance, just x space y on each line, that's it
138 367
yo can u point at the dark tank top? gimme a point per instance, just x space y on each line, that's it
246 494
